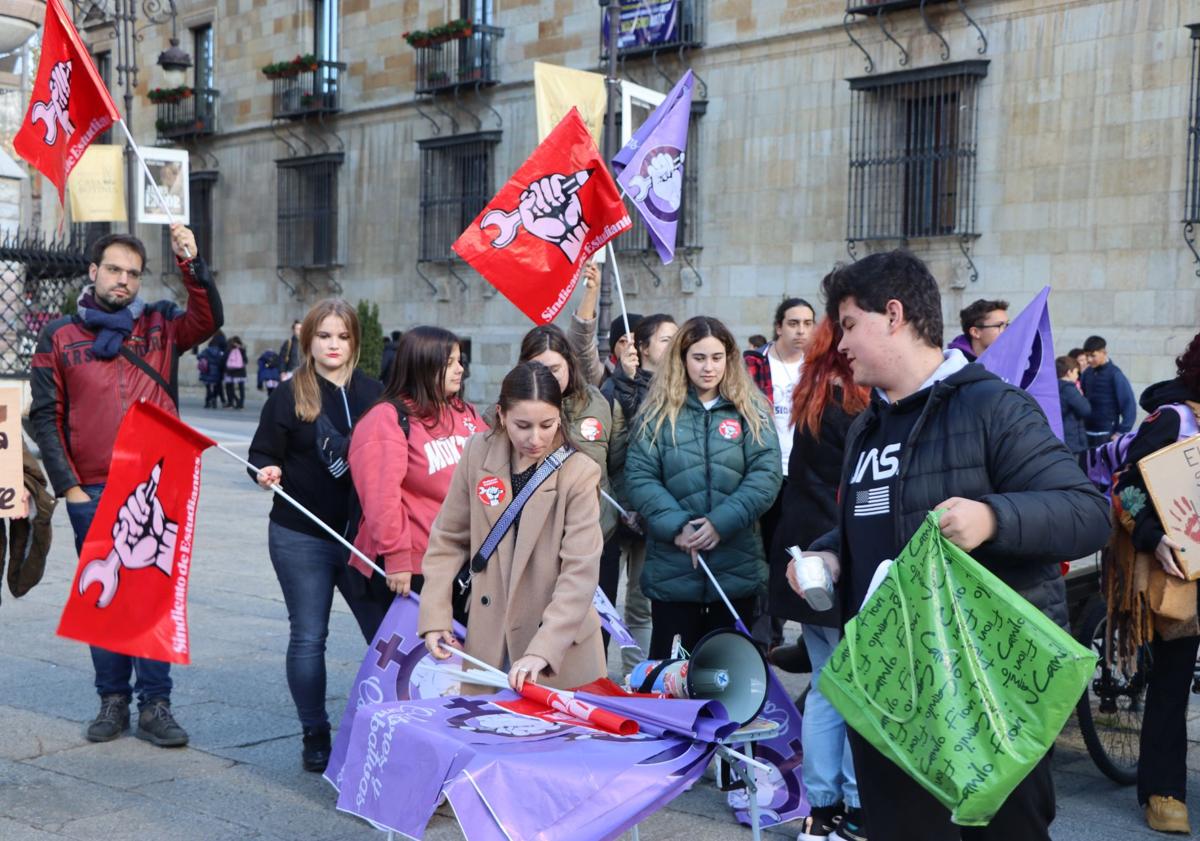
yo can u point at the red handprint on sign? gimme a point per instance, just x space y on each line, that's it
1184 512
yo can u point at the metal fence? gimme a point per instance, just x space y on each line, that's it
308 211
456 183
315 91
913 147
459 62
192 116
39 280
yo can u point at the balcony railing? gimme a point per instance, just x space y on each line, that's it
651 26
469 61
870 7
194 116
308 92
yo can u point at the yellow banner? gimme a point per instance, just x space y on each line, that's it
557 89
97 185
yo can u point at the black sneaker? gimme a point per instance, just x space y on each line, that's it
111 721
821 823
314 756
851 827
157 726
791 658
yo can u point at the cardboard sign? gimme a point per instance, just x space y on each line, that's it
12 476
1172 477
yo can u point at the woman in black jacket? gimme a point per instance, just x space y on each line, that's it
1143 552
824 404
301 444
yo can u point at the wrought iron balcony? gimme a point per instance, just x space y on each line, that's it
652 26
188 117
870 7
308 91
468 60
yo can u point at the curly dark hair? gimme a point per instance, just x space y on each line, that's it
878 278
1187 365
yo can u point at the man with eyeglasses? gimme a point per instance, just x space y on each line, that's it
982 323
88 369
1114 407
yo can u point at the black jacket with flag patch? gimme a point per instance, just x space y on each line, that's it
978 438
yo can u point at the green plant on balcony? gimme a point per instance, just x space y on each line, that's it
438 77
458 28
290 69
164 96
461 28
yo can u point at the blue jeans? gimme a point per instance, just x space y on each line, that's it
114 670
308 569
828 766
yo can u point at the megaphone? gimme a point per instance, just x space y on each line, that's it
725 666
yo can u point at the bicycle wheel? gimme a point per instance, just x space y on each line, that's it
1110 711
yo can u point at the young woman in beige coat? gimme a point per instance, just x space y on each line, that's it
531 608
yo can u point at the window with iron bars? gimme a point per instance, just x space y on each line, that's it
687 234
456 183
913 153
200 202
308 211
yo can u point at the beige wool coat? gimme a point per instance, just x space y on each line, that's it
535 597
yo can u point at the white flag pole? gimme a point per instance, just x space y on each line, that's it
277 489
157 194
612 255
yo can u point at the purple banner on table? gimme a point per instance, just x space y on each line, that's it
396 668
507 774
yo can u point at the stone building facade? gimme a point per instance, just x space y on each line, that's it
1034 142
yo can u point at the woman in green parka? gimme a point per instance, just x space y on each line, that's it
701 468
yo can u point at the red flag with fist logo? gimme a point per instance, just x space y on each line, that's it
557 210
70 105
129 594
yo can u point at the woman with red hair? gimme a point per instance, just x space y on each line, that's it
823 406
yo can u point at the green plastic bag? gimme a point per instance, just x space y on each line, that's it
954 677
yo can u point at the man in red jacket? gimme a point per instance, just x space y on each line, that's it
88 369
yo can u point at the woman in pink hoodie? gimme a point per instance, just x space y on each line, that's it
404 451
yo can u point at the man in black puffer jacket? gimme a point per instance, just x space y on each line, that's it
943 433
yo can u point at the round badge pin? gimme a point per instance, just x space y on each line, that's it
729 429
490 491
590 429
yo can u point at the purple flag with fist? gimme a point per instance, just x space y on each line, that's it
650 167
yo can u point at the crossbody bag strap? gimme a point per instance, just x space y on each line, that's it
553 461
147 369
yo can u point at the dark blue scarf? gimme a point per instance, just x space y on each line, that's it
111 328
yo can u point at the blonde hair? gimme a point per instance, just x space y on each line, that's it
305 389
669 388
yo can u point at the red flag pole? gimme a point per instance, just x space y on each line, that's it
284 494
157 192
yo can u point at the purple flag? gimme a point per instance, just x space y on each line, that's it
1023 356
610 620
650 167
396 668
508 775
781 794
